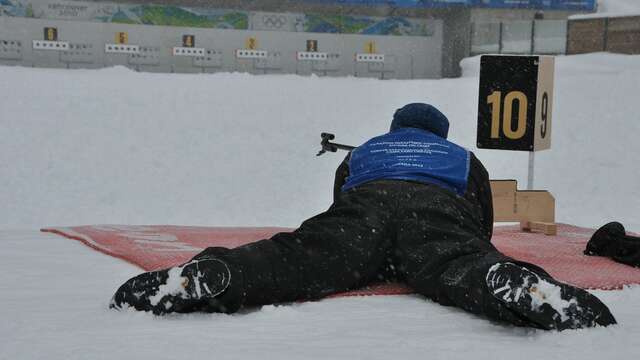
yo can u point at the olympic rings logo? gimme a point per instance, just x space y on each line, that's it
274 21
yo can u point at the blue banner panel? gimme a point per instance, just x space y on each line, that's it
582 5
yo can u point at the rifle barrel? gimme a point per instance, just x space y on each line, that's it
342 146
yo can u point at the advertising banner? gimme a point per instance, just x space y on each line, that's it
582 5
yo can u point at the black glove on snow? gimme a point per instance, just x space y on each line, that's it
612 241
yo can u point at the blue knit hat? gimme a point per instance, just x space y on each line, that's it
421 116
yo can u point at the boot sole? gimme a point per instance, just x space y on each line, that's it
551 305
178 289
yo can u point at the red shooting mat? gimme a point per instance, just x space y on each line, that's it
160 246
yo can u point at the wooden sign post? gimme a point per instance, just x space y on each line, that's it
515 106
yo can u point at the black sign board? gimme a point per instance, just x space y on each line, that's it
51 34
188 40
312 45
514 102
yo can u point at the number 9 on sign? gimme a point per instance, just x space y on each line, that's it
544 112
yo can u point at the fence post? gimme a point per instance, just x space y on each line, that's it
567 37
533 36
471 39
605 34
500 40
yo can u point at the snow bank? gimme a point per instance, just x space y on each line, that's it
619 6
613 8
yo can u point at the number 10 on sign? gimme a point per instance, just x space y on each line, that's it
514 108
495 100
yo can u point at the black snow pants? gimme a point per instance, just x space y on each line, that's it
387 230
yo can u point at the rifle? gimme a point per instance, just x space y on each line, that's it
327 145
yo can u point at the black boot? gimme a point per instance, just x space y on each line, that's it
183 288
549 304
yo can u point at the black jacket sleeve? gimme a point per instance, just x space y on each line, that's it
479 194
341 177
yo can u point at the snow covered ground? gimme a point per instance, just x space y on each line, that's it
54 306
613 8
619 7
115 146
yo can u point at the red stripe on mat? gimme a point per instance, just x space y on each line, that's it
161 246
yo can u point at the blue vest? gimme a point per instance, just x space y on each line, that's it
410 154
